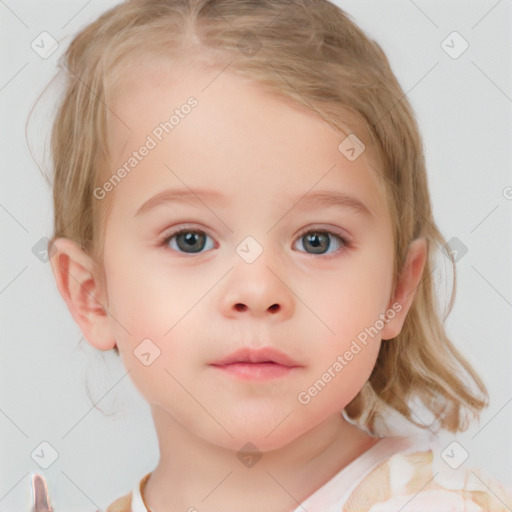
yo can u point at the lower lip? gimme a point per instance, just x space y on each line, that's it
255 371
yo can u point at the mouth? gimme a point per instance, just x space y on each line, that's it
265 363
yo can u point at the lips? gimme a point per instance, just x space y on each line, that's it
256 365
256 356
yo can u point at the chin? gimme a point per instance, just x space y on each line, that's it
266 434
257 443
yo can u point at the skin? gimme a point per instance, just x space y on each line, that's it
263 153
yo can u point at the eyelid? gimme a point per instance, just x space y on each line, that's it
183 228
345 240
327 229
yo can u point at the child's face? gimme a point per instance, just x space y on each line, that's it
261 160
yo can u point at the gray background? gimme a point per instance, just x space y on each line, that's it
464 108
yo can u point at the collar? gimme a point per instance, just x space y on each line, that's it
138 504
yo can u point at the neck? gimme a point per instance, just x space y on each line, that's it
196 475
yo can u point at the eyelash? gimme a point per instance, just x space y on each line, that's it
344 242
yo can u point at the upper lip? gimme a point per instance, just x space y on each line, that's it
261 355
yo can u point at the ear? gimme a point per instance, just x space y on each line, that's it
406 287
79 282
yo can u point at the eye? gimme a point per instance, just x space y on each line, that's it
188 241
321 242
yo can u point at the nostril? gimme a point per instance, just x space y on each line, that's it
274 308
240 307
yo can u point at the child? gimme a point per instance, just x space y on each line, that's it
274 136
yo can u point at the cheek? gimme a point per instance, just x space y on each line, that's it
147 301
152 318
353 298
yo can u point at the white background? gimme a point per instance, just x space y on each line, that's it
464 109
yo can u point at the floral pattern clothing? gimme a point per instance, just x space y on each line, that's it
397 474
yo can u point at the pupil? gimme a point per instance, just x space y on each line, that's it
191 241
319 242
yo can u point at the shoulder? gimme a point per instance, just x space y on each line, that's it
122 504
417 482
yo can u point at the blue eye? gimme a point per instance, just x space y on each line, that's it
188 241
320 242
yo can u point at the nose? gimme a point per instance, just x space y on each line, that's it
257 289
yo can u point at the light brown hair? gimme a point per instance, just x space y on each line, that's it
312 52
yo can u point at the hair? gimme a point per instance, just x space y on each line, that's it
312 52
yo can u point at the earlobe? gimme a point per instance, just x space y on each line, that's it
406 287
79 283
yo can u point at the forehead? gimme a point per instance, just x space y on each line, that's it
211 128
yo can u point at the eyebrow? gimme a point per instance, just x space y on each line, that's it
178 196
338 199
309 200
